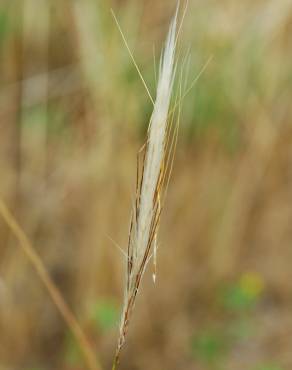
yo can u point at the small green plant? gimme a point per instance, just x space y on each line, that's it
243 294
104 314
209 347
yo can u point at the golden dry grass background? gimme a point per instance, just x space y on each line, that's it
73 114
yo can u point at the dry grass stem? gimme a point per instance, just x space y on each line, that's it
54 292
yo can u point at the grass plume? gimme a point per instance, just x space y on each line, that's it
152 178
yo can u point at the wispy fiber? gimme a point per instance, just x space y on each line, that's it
152 176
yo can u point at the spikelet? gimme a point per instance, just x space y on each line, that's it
151 181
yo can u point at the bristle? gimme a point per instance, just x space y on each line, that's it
150 185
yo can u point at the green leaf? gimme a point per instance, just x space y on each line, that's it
208 346
242 294
104 314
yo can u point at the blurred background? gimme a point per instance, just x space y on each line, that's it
74 113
